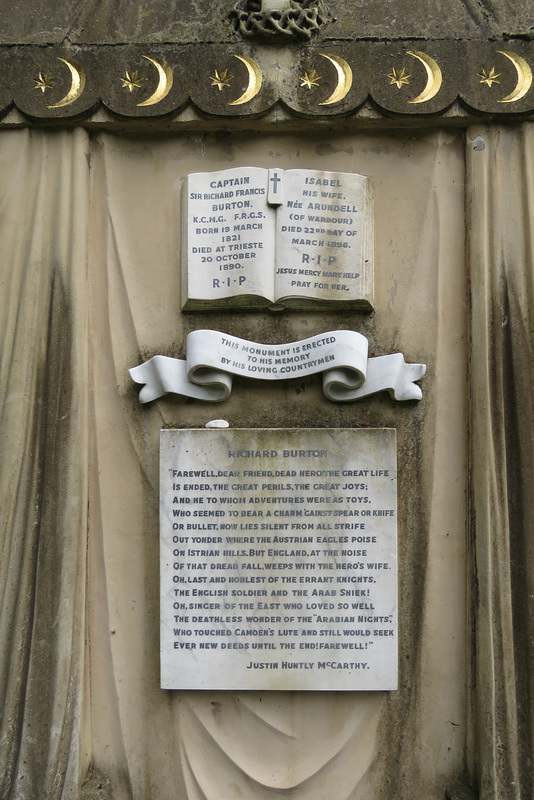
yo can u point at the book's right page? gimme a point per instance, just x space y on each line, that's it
324 240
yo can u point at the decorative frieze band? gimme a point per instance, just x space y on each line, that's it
408 78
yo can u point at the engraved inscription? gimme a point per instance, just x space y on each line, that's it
278 559
286 238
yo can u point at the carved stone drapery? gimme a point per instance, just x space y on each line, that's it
500 184
93 286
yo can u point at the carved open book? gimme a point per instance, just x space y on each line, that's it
269 238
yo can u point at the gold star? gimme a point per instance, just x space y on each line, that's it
489 76
132 81
310 79
399 78
43 82
222 80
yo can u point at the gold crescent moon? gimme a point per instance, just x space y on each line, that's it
344 79
434 78
77 84
165 79
524 77
254 81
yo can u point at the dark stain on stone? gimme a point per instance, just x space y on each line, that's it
518 382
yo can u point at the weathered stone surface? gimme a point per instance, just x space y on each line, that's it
6 93
187 21
116 22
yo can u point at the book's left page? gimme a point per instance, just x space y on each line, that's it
228 236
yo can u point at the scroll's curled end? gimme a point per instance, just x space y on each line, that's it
392 374
162 375
149 375
384 373
406 388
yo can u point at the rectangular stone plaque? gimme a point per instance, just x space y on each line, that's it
278 559
256 238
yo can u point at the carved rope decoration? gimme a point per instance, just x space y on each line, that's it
300 21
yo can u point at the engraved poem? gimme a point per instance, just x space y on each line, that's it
278 559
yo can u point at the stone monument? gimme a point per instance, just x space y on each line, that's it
275 214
